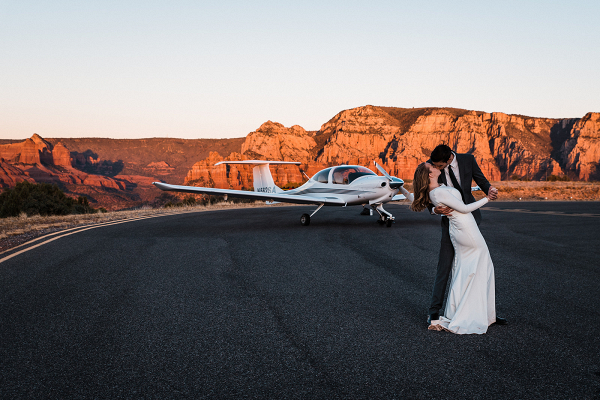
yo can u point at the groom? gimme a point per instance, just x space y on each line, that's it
458 171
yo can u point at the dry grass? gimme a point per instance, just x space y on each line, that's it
561 191
534 191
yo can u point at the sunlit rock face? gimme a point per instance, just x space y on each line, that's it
38 161
112 173
117 173
61 156
580 153
273 141
504 145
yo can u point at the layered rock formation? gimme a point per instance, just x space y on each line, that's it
272 141
580 153
118 173
112 173
280 142
504 145
37 160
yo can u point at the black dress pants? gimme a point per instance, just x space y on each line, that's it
444 268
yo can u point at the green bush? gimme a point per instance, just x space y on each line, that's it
40 199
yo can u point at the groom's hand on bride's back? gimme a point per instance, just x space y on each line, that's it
443 210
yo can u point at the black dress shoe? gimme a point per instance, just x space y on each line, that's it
501 321
433 317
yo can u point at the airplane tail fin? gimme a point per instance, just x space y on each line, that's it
263 180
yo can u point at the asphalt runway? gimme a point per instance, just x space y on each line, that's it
250 304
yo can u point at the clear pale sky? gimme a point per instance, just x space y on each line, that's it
200 69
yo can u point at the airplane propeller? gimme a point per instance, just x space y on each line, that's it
395 183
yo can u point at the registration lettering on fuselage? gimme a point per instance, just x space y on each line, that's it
266 189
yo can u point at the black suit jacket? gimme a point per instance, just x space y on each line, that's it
469 171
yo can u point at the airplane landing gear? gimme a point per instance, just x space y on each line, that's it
384 216
385 220
305 219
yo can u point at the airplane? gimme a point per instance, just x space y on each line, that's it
342 186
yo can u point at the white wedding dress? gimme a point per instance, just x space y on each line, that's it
471 305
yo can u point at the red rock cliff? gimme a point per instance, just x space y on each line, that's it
399 139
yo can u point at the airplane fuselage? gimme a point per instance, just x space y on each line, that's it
354 185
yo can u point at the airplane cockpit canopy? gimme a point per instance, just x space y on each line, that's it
322 176
342 175
346 174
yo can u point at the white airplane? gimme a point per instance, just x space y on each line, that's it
344 185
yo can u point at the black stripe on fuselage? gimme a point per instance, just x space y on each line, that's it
329 190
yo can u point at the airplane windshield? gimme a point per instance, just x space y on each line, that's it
322 176
346 174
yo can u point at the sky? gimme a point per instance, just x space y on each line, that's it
219 69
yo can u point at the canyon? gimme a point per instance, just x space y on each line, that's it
117 173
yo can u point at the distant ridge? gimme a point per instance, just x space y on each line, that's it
117 173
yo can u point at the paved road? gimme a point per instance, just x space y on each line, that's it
250 304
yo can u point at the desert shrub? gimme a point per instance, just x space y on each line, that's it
162 200
189 201
555 178
239 200
40 199
82 206
516 177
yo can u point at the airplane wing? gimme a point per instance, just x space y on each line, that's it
271 197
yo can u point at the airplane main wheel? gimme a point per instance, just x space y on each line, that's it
305 219
389 223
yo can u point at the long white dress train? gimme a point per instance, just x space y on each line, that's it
471 302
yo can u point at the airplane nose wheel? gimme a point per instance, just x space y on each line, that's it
384 216
385 220
305 219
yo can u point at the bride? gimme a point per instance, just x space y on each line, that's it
470 307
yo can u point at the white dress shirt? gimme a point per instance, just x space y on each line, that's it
454 166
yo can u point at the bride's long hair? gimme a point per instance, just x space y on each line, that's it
421 188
